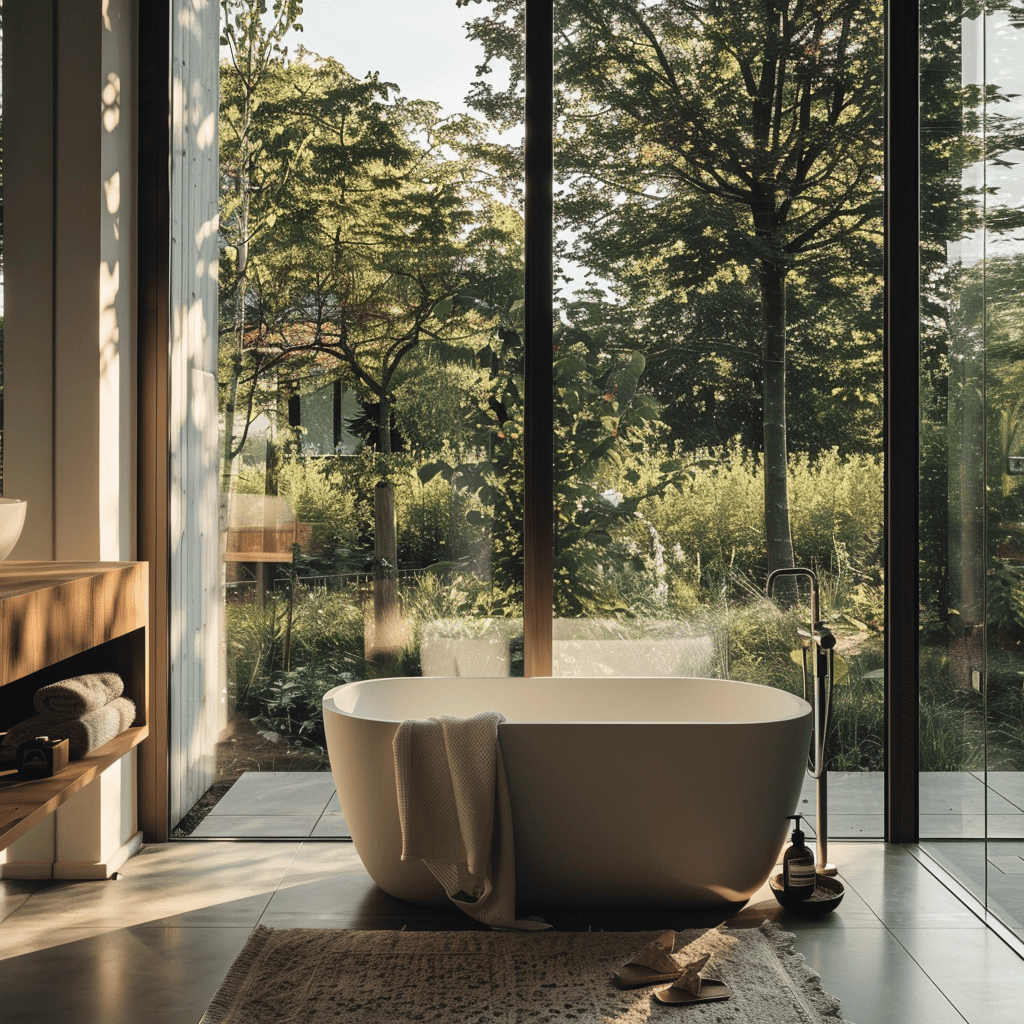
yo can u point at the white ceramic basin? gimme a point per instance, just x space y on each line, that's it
12 519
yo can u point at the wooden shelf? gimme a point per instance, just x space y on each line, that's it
60 619
50 611
25 802
257 556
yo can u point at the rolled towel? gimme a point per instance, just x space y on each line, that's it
72 698
84 734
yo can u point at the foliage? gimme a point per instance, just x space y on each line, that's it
360 243
291 704
713 523
602 418
756 642
707 147
353 230
254 637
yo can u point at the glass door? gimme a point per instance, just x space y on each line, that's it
994 294
972 455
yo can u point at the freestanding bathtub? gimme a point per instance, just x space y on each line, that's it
642 793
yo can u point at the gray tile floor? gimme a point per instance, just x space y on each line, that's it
152 947
953 805
276 805
993 873
299 805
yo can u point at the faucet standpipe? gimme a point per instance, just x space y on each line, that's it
819 665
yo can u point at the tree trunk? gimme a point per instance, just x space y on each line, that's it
241 288
387 645
779 540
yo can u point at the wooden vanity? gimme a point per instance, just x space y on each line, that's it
57 620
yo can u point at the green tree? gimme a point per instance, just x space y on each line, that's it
703 140
361 256
603 419
253 42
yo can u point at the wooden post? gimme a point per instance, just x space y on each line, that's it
386 643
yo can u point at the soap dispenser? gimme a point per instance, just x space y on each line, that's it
798 865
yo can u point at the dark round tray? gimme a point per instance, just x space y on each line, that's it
828 894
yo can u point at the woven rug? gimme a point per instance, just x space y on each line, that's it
311 976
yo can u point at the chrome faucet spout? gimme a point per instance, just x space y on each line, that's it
798 571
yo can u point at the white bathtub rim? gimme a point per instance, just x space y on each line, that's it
799 706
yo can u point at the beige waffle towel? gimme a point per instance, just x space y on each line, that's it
72 698
83 734
455 813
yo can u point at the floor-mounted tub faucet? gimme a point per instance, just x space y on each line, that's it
819 665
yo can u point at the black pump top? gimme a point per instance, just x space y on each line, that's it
797 835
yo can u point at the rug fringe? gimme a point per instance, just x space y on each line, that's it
224 1001
808 979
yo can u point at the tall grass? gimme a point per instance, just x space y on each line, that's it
712 526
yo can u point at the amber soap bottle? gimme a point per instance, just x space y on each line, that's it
798 865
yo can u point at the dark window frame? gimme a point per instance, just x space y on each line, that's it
902 293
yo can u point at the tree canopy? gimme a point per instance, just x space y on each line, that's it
710 152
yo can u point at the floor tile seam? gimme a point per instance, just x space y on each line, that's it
884 923
280 882
945 995
871 910
13 910
21 906
322 813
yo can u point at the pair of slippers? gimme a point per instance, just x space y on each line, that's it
654 964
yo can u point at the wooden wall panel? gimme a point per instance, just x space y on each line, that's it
197 705
152 468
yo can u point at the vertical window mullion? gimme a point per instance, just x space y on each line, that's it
538 532
902 428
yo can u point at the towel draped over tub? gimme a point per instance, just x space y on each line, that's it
455 813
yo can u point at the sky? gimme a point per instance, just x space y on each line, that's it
992 53
419 45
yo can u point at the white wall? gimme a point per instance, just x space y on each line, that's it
198 699
28 89
70 324
69 345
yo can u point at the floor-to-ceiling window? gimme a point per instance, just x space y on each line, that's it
370 382
716 357
717 360
972 452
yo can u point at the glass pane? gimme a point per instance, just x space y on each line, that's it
998 279
718 364
952 448
972 746
371 284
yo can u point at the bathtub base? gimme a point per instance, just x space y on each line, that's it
694 899
682 808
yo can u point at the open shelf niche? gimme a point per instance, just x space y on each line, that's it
57 620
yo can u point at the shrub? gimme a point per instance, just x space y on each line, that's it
254 637
321 494
712 527
327 628
291 704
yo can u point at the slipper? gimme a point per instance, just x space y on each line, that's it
691 987
710 992
651 965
